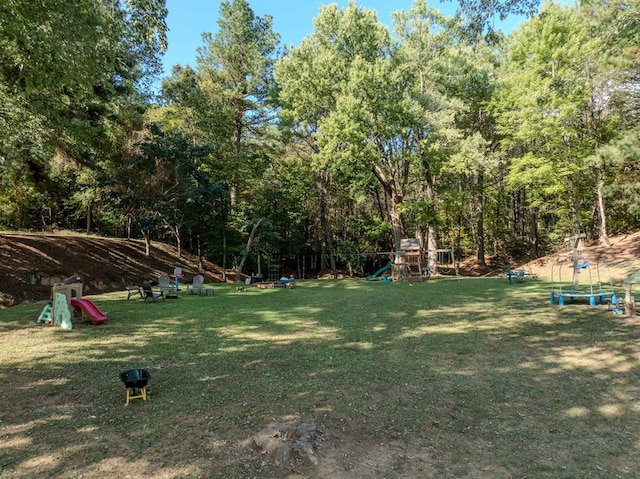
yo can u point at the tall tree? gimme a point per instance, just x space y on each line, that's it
614 106
371 108
427 50
311 80
475 163
235 71
235 82
64 67
542 97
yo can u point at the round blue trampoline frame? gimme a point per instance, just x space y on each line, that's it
595 292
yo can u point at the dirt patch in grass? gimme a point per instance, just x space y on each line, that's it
622 259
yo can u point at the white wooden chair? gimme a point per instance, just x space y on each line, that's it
196 286
164 283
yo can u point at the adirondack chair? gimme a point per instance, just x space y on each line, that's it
164 282
132 290
196 286
149 293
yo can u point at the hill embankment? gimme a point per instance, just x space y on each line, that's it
617 261
32 263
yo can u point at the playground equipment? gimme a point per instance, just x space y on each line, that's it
135 383
446 261
177 274
58 316
629 301
519 275
46 316
375 275
61 313
407 265
68 296
274 267
595 290
90 309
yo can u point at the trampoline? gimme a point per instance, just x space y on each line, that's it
595 290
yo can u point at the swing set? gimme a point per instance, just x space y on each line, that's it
409 264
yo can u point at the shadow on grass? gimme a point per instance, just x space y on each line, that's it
473 376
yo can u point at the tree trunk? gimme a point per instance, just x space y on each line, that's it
89 218
326 237
175 230
533 239
481 260
432 248
432 225
224 255
332 256
573 209
602 215
480 224
245 255
147 242
397 225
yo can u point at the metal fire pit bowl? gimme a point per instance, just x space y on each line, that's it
135 381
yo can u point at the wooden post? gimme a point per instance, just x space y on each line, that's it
629 303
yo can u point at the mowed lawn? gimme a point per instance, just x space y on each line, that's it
475 378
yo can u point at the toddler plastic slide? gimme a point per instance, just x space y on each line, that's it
90 309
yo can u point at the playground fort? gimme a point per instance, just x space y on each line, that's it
67 303
409 263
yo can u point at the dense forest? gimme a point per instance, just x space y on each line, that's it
439 128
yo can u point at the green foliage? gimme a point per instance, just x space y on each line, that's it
621 158
67 70
235 77
340 145
541 102
479 15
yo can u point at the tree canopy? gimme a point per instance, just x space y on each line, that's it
332 150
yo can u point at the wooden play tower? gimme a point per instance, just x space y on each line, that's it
408 261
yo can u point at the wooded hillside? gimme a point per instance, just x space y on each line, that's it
33 263
336 148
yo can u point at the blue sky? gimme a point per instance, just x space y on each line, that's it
292 19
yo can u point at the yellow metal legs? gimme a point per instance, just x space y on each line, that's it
131 394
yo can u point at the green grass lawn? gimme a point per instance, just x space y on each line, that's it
446 379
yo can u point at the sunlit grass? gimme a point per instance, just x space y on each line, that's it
471 375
